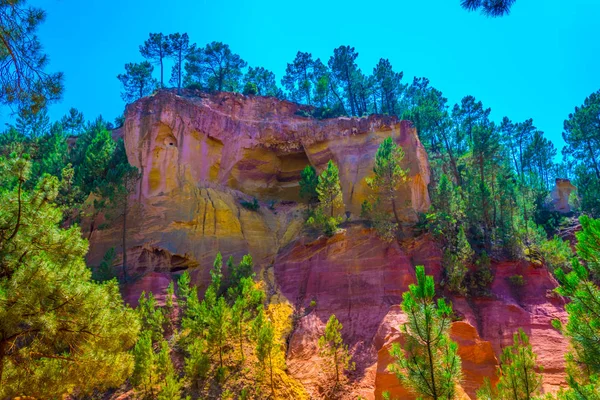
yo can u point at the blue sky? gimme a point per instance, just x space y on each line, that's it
539 62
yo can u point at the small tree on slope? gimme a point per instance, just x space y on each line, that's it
428 364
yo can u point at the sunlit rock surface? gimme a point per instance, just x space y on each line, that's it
201 157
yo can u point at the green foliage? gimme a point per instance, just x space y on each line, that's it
329 190
24 82
265 346
143 374
518 374
245 269
583 326
151 316
59 329
455 263
385 183
262 82
216 67
308 184
250 205
105 271
250 89
218 328
298 78
516 281
557 253
333 349
197 364
582 135
428 363
181 50
137 81
479 280
155 49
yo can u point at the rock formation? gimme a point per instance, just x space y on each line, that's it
200 157
560 195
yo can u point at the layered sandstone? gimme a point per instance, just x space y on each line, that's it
201 156
360 279
259 146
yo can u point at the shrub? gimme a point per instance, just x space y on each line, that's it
517 281
250 89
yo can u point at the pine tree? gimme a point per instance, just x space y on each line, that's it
246 299
583 326
215 67
298 78
151 316
144 374
333 349
388 176
155 49
329 190
137 81
266 345
197 364
489 8
308 184
73 122
428 363
54 319
329 193
518 377
264 82
343 69
24 82
180 47
219 321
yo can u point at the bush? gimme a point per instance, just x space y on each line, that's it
250 89
328 225
479 280
556 253
250 205
517 281
194 86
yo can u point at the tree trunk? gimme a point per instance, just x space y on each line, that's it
162 84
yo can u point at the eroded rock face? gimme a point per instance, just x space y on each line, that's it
360 279
200 157
259 146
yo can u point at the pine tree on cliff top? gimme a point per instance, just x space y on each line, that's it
155 50
59 331
137 81
428 363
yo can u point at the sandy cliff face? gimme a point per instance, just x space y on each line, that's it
257 145
201 156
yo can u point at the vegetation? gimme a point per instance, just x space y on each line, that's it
64 329
518 373
59 330
428 363
385 184
333 349
326 217
25 84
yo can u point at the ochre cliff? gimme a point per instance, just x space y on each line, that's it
200 157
